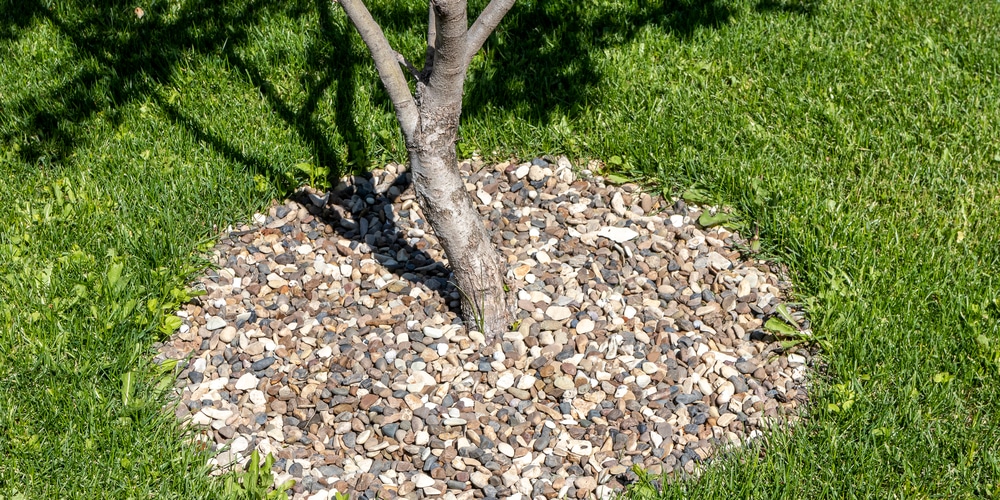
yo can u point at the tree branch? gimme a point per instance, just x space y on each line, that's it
451 27
431 38
409 66
487 21
386 63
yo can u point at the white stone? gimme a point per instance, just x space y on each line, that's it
506 449
257 397
581 447
585 325
718 262
522 170
364 436
629 312
725 419
304 249
274 430
484 197
505 381
725 392
617 234
215 323
480 479
419 380
618 204
239 444
423 481
542 257
677 220
563 382
536 173
434 333
247 381
421 438
526 382
216 413
558 313
227 334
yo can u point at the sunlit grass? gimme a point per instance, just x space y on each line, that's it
861 138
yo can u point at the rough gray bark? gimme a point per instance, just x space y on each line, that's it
429 122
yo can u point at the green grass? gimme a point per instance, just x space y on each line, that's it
861 137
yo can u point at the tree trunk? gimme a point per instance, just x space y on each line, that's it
479 270
429 122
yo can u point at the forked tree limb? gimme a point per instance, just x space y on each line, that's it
431 38
487 21
386 63
451 27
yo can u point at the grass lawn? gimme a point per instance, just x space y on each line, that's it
861 137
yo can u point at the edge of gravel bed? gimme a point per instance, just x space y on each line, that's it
621 357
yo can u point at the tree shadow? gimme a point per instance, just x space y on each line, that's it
543 54
801 7
125 58
541 61
358 210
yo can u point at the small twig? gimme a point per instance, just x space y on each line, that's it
409 66
431 38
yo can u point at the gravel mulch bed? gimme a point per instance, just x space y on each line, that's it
328 336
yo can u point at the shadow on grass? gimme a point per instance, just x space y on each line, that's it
801 7
541 60
542 57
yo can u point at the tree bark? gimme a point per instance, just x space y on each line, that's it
429 123
478 269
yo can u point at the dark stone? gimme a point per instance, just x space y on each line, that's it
619 441
284 259
262 364
389 430
685 399
350 439
542 442
745 366
739 383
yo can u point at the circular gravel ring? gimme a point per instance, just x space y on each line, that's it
328 337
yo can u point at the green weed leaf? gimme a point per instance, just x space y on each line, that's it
617 179
785 313
780 328
709 220
128 388
170 324
697 195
